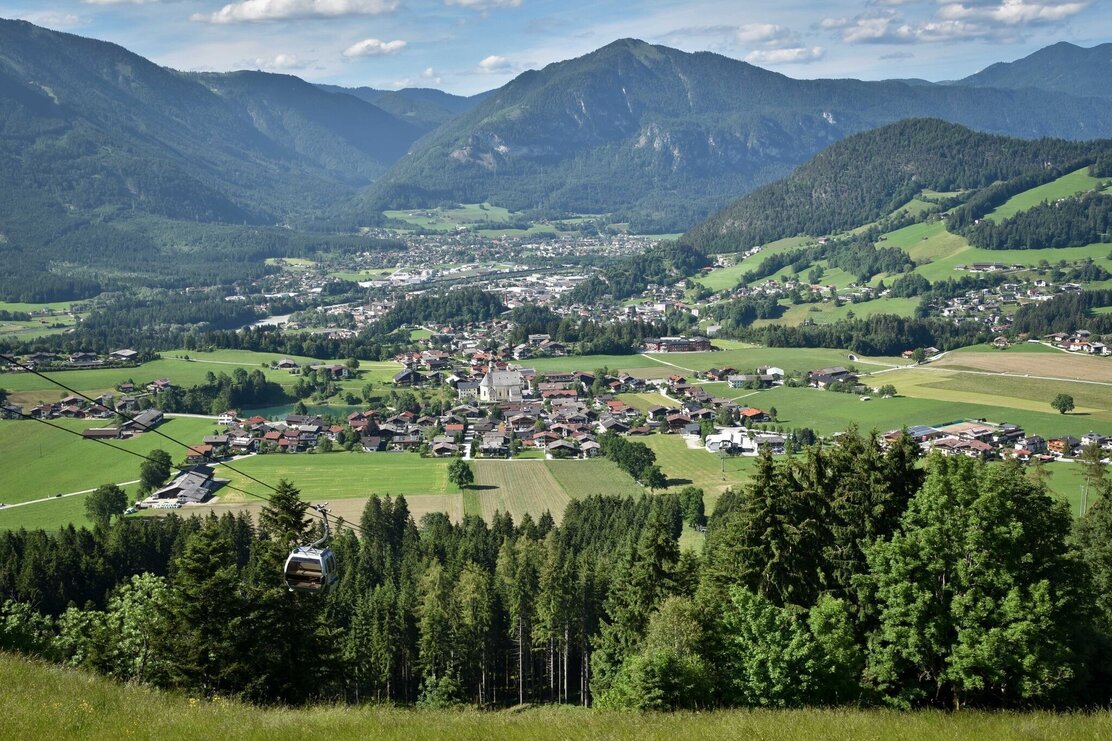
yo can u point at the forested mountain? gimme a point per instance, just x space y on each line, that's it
90 125
867 176
1063 67
425 108
668 136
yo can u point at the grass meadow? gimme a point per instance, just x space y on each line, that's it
341 475
43 701
41 461
724 278
1070 184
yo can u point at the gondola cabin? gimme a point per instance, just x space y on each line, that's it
310 569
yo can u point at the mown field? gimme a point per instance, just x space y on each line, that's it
686 466
40 461
534 487
1059 365
647 400
1009 392
341 475
518 487
826 412
43 701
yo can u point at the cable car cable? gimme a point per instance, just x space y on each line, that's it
147 428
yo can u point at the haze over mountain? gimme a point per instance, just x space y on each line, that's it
424 107
1062 67
668 136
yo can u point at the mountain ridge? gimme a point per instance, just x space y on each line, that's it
643 126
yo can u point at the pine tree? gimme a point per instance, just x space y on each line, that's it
283 517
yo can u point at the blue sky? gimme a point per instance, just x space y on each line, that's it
465 46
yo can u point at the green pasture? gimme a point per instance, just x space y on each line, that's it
788 358
41 461
826 312
589 363
1023 347
686 466
1073 183
340 475
938 252
724 278
646 400
826 412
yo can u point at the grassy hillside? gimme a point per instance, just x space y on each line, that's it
42 701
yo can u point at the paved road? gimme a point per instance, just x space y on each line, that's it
62 496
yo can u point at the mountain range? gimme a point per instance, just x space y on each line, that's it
671 135
659 136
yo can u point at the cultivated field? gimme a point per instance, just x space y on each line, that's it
581 479
1051 365
518 487
1092 400
40 461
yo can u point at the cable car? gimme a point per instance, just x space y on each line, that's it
312 568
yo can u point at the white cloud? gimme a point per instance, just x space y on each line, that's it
1013 12
276 10
762 33
798 55
495 64
829 23
484 4
374 48
281 62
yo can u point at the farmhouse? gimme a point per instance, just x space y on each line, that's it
193 486
677 344
147 419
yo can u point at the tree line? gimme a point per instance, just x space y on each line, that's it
879 334
1066 312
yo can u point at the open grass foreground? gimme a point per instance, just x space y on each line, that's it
42 701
